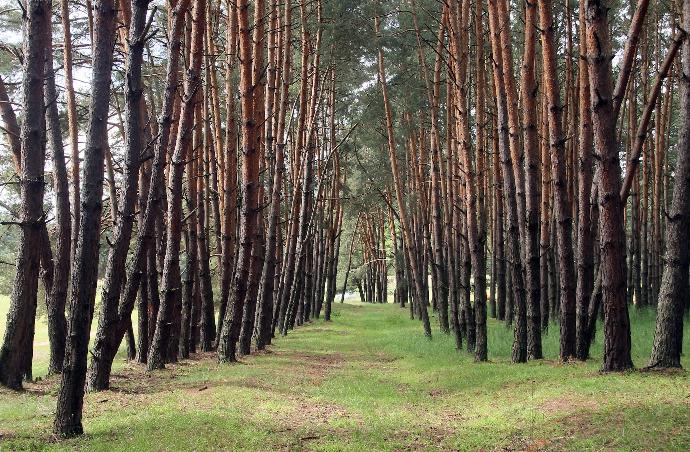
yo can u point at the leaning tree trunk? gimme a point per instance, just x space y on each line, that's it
85 272
416 270
19 332
57 323
438 263
673 293
99 372
171 283
12 130
72 121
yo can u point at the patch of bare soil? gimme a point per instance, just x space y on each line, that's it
450 416
567 403
314 366
436 393
133 386
312 414
328 330
133 378
308 420
664 371
520 443
382 362
433 437
403 388
39 387
255 383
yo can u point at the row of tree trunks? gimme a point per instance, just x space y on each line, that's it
134 133
177 179
161 351
514 176
416 273
57 322
547 223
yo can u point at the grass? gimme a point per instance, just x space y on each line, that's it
41 342
369 380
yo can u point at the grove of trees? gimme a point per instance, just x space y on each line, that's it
204 176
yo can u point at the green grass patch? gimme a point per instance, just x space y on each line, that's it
370 380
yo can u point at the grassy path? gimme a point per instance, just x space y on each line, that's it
370 380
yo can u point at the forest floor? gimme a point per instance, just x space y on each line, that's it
369 380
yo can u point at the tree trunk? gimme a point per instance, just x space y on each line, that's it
206 317
170 289
585 242
85 272
563 209
99 373
229 221
529 91
17 346
616 322
72 121
668 336
57 322
230 329
257 255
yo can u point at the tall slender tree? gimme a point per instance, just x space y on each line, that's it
617 341
16 350
84 273
170 284
668 336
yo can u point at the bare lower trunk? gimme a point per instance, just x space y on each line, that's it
17 344
84 272
616 321
562 203
170 290
57 322
585 243
668 337
99 372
